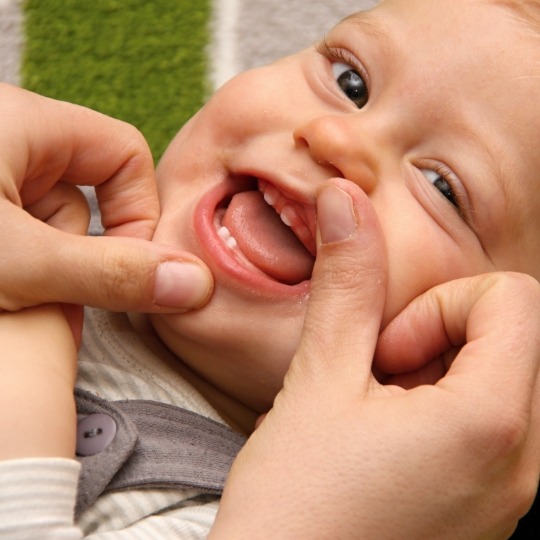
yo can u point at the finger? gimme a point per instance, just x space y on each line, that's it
503 325
430 373
64 207
347 289
493 317
121 274
56 140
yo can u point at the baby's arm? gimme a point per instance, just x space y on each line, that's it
39 356
38 472
38 364
37 376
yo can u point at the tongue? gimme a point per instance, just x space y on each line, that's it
265 240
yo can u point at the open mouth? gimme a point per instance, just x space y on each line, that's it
268 232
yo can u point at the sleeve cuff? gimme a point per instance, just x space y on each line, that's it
37 498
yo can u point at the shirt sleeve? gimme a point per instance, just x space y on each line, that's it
37 499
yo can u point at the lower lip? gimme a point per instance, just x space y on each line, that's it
224 258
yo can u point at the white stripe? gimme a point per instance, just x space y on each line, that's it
223 55
10 40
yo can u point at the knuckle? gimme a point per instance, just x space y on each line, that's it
501 434
522 285
122 277
516 298
137 145
510 433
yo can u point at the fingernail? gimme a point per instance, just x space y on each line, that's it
180 284
335 215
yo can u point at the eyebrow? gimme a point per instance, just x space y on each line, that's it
373 27
367 23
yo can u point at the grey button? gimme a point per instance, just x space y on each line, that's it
94 433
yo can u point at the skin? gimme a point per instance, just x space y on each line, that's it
475 133
50 148
386 450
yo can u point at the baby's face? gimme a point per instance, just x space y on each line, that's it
429 106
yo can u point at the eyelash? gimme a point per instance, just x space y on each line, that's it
447 175
337 54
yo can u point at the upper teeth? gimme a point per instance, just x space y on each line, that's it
287 215
290 215
271 196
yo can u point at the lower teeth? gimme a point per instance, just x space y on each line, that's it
229 240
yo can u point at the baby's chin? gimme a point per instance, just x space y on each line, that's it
248 365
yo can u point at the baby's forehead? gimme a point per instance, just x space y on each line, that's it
528 11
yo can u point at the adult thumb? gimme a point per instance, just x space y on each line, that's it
347 290
41 264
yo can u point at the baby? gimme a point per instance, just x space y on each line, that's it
427 107
392 100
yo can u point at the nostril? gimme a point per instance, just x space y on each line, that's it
325 141
331 170
300 142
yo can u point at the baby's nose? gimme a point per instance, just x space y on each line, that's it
339 142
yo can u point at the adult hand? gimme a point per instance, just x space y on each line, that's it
342 456
47 148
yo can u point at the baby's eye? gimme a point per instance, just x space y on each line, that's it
442 185
352 84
